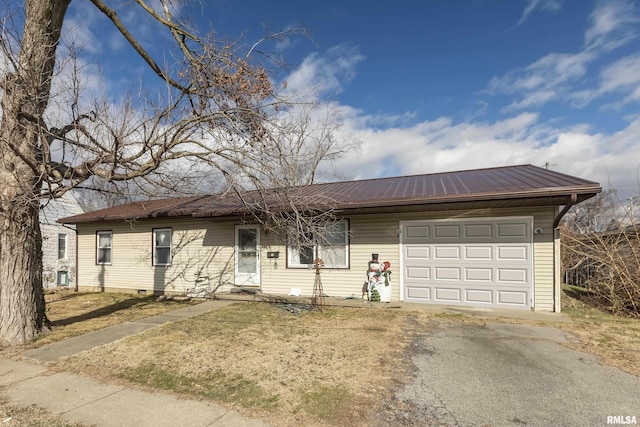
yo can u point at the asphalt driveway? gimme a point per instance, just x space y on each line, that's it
508 375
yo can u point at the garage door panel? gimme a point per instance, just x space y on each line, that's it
420 252
478 231
419 293
478 274
512 230
447 295
473 262
446 253
512 275
478 253
418 273
479 296
512 298
512 253
417 231
446 231
447 273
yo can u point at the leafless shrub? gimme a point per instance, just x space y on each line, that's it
601 252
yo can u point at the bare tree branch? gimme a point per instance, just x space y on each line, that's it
113 17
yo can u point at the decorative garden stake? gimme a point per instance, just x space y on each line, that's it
317 301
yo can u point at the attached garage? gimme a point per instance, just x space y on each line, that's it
457 238
476 262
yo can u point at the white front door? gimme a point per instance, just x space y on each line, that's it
247 254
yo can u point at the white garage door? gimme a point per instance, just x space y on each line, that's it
476 262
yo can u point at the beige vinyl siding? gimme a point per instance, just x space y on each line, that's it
195 242
368 234
543 260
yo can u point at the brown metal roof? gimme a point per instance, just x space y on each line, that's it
523 185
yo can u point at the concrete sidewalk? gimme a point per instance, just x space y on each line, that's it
85 400
75 345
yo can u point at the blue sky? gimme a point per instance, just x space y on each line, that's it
431 86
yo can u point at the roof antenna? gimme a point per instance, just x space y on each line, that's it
547 165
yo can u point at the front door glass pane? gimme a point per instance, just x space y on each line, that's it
247 255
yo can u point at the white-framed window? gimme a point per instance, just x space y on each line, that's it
161 246
331 244
63 278
103 247
62 246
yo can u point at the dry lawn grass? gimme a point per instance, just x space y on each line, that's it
76 313
614 339
318 368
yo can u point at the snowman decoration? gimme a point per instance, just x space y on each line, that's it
379 285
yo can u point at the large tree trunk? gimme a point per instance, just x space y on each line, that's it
26 94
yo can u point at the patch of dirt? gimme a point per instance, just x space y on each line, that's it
296 309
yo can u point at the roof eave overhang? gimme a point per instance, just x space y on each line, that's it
441 204
547 197
120 218
449 202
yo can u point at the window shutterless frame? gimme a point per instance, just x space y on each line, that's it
62 246
62 278
161 246
331 244
104 241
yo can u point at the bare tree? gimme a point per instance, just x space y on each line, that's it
601 252
308 136
219 109
600 213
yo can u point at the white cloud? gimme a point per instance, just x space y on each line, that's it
547 73
533 99
444 145
533 5
613 23
324 75
633 96
558 76
621 76
79 29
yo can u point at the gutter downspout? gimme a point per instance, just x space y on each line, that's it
77 265
557 279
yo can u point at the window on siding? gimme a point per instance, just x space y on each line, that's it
62 246
162 246
331 244
63 278
103 252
